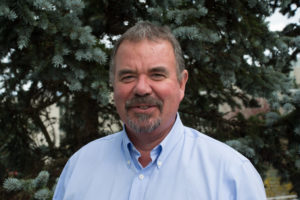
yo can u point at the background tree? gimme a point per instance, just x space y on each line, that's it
55 54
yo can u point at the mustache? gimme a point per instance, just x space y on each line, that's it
135 101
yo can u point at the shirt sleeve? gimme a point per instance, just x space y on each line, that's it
248 183
60 188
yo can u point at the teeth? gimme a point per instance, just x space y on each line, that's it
143 107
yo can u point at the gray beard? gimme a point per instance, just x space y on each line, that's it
149 125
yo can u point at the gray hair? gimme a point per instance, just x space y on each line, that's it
146 30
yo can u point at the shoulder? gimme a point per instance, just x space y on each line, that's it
106 140
219 156
98 147
213 147
230 167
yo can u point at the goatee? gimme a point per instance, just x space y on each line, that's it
143 122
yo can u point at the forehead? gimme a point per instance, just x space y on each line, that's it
156 50
143 46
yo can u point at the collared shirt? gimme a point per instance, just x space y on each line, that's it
185 165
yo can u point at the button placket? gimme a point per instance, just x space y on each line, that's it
141 176
159 163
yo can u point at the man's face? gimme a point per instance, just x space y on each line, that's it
147 92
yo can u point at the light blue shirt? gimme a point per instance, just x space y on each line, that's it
186 165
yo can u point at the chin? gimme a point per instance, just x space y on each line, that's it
145 126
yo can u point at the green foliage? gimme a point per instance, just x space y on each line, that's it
12 184
35 188
49 56
52 53
242 145
285 131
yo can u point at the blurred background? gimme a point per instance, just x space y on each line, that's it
244 65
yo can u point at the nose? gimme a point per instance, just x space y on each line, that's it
142 87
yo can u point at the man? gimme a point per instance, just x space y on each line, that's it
155 156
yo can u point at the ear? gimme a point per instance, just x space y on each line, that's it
182 82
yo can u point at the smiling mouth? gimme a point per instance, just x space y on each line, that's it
143 103
144 107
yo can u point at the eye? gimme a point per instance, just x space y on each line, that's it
158 76
127 78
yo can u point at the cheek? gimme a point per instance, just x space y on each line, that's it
118 92
117 98
120 97
170 91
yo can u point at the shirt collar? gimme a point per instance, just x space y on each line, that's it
166 146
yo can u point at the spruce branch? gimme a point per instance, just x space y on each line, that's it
12 184
43 194
36 188
41 180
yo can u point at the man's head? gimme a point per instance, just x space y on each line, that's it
148 78
146 30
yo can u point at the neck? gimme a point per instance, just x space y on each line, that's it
145 158
146 142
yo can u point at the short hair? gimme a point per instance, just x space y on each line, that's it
146 30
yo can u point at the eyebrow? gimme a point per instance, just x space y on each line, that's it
125 71
159 69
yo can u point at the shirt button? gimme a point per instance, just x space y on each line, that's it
128 162
141 176
159 163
